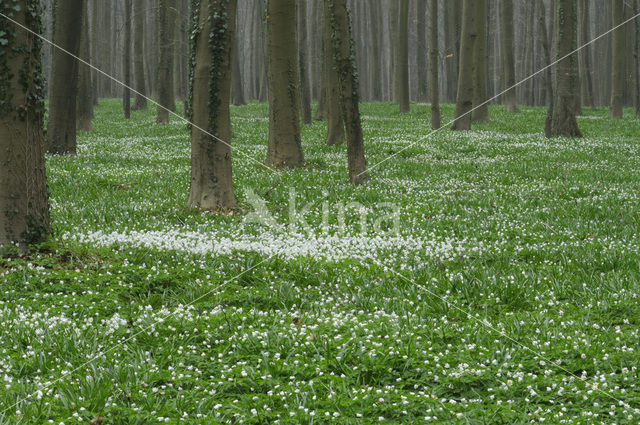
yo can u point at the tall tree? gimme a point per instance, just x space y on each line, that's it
563 121
61 127
480 105
421 60
508 58
23 187
394 23
617 73
433 66
237 91
166 99
586 78
126 61
211 185
343 55
285 145
464 100
375 70
305 89
84 101
402 66
140 102
93 35
548 75
335 121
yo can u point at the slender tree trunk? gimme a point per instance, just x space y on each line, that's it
140 102
586 78
464 101
636 55
421 60
211 185
61 128
166 99
481 108
237 92
402 58
285 145
548 76
508 57
93 36
305 89
335 122
433 67
322 108
84 101
375 68
394 23
126 61
23 187
617 75
344 61
564 121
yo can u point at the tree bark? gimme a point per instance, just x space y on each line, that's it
285 145
126 61
563 122
61 126
617 73
480 105
237 92
586 77
433 67
464 101
508 57
402 66
636 56
211 187
335 122
394 23
548 76
344 62
421 60
166 99
93 38
84 101
23 187
305 89
140 102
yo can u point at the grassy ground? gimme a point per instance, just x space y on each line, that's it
484 277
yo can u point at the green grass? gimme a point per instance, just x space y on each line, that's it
508 294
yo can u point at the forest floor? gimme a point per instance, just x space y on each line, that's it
491 276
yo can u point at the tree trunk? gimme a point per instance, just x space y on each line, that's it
617 73
211 185
480 105
344 62
23 187
508 57
563 122
548 76
433 67
636 56
140 102
285 145
84 101
61 127
402 66
305 89
237 92
375 68
586 78
335 122
93 38
166 99
126 61
421 60
321 109
464 101
394 22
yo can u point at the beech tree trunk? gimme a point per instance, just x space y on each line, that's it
335 121
61 126
305 89
140 102
480 105
563 122
344 61
285 145
166 99
211 185
84 101
237 92
586 77
617 73
421 60
402 66
433 67
464 101
23 187
508 58
126 61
